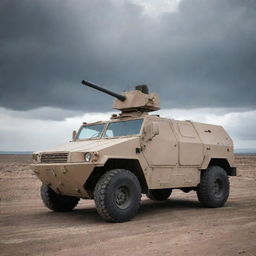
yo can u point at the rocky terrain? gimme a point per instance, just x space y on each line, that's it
178 226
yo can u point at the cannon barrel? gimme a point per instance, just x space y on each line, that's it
116 95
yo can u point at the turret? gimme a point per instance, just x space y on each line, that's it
138 100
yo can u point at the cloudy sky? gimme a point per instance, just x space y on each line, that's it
199 55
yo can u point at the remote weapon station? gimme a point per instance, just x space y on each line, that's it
114 162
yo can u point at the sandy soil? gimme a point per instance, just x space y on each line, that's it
176 227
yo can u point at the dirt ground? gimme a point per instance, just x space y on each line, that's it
178 226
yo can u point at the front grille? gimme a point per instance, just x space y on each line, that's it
54 158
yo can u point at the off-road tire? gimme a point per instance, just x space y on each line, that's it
56 202
159 194
117 195
213 190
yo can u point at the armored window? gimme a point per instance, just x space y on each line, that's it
124 128
91 131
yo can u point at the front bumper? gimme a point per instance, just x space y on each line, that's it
66 179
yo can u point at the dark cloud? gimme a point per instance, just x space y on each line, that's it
43 113
204 55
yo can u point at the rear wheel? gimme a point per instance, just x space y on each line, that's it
117 195
159 194
213 190
57 202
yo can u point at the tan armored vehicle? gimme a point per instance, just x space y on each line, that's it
135 153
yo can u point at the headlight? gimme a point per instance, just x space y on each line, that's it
87 157
36 158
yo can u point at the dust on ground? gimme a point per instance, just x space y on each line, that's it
178 226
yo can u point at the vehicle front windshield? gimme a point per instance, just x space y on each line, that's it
90 131
123 128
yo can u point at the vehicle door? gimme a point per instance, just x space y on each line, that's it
159 144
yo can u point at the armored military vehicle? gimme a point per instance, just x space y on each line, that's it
134 153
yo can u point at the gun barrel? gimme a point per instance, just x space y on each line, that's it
116 95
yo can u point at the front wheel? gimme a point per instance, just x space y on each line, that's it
213 190
57 202
117 195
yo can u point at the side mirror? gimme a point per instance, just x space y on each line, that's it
155 129
74 135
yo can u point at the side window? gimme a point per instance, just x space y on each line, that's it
109 133
124 128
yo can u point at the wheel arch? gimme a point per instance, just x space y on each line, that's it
132 165
223 163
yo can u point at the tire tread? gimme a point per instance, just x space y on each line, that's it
55 202
203 191
100 192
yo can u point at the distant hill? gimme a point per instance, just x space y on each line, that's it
245 151
16 152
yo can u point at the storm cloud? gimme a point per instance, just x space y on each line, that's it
202 55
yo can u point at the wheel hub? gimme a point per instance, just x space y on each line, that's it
122 197
218 187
